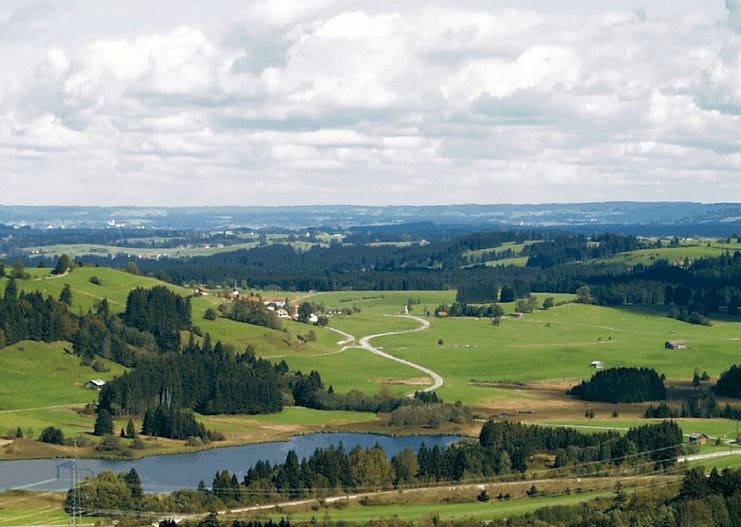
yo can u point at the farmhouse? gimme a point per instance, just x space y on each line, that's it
94 384
596 364
675 344
698 438
200 291
282 312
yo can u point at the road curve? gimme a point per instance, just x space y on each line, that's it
348 341
437 380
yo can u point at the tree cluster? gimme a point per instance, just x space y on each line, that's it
31 316
729 383
172 423
160 312
459 309
205 378
621 385
252 311
107 492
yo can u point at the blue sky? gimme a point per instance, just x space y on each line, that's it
369 102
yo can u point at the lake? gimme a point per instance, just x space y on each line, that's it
170 472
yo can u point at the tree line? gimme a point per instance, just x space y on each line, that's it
700 403
503 448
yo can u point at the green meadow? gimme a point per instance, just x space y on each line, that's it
693 251
37 374
18 507
517 261
115 286
357 513
731 462
560 343
41 384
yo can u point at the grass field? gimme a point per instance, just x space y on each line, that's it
492 254
672 254
730 462
292 420
517 261
559 344
19 507
42 386
115 286
357 513
37 364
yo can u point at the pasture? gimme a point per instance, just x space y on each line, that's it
559 344
114 285
357 513
691 250
19 507
37 375
42 385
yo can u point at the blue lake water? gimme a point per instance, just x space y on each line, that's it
170 472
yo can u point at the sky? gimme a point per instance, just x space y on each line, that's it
289 102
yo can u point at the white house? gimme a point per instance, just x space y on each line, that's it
596 364
94 384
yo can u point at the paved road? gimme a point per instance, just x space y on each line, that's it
437 380
348 341
710 455
396 492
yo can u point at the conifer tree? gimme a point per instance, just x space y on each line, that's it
66 295
63 264
103 423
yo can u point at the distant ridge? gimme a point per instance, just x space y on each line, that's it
725 216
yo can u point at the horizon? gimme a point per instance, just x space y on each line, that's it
288 103
390 205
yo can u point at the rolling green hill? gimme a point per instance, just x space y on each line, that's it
41 383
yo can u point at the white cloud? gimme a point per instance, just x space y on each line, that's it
734 14
372 102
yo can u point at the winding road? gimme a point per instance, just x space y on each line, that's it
364 343
437 380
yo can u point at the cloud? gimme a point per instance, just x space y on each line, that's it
734 14
25 21
352 101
